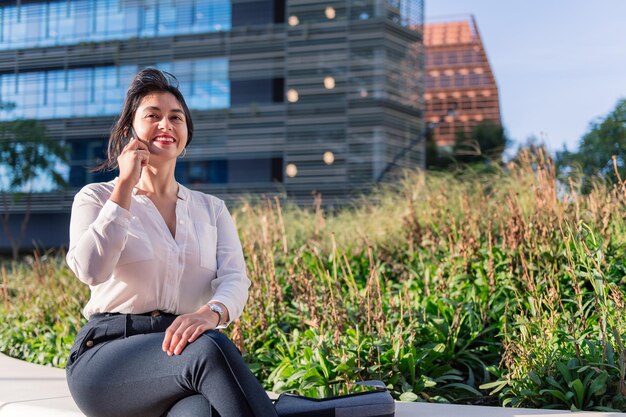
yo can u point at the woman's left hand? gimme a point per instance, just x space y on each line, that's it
187 328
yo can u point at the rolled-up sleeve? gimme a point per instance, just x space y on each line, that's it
98 233
230 287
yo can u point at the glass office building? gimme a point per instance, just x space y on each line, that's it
288 96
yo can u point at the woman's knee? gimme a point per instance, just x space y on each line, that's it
211 354
217 343
192 406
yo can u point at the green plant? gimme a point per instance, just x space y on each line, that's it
481 288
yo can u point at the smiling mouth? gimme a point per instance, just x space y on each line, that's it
164 139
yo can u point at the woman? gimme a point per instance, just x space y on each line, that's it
165 268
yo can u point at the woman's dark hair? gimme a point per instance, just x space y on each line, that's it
147 81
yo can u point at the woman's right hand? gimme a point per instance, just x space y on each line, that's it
133 158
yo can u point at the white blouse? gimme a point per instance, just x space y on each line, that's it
133 265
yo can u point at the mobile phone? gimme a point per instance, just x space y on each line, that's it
131 134
338 389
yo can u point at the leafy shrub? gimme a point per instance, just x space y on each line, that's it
494 288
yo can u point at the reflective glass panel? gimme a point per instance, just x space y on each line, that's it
100 91
64 22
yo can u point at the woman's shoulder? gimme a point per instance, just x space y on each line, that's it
203 201
200 198
98 190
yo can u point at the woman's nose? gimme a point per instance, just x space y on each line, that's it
164 124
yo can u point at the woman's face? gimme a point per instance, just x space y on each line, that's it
160 123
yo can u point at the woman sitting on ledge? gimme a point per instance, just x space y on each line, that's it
166 270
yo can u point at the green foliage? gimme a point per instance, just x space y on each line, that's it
33 341
40 316
27 155
605 139
484 144
488 288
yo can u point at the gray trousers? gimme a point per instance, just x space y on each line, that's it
116 368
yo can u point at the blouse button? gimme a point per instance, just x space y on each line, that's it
89 343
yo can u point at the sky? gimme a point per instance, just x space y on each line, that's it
559 64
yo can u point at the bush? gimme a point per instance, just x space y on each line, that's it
493 288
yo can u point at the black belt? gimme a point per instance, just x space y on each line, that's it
156 313
153 313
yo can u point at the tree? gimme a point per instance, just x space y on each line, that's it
605 138
485 143
29 160
436 157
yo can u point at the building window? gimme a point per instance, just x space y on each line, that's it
245 92
404 12
100 91
203 172
64 22
259 12
280 10
234 171
258 170
86 154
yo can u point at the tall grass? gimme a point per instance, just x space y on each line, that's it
493 288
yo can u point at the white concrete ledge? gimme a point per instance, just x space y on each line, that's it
39 391
33 390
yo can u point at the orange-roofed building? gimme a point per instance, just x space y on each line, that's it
461 91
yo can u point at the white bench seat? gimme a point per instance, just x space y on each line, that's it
40 391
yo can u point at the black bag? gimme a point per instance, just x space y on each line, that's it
375 403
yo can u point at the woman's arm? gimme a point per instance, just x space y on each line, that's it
230 289
99 224
98 233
